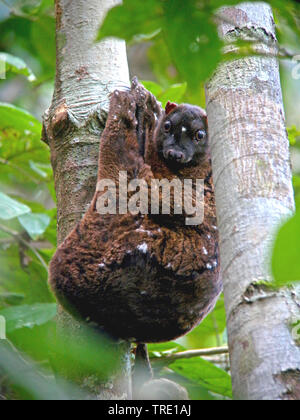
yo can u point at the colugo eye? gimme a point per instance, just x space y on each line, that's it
167 125
200 135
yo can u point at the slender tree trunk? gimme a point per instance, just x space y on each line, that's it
252 173
86 73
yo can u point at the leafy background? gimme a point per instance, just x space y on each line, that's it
174 59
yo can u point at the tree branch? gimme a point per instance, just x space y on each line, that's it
189 354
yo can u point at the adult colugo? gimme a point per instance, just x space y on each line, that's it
137 276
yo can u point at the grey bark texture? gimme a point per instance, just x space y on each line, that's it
254 194
86 73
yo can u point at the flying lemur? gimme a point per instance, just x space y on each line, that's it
143 277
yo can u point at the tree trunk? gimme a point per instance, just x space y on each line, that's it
254 194
86 73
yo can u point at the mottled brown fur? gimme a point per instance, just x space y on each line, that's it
101 273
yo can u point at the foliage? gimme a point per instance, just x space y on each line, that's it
16 65
285 262
206 374
176 91
294 135
184 51
34 385
185 41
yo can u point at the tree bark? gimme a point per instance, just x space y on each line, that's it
86 73
254 194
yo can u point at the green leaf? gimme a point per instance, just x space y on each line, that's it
22 6
35 224
193 41
24 158
132 19
30 6
169 347
190 34
9 208
205 374
153 87
195 391
28 316
293 134
219 3
16 65
286 253
296 185
42 169
31 383
15 118
210 333
47 254
161 63
46 6
19 271
43 39
286 11
175 93
11 298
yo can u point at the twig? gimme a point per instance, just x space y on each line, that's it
19 238
189 354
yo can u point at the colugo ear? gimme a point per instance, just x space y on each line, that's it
170 106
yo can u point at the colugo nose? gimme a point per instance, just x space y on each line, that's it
175 155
